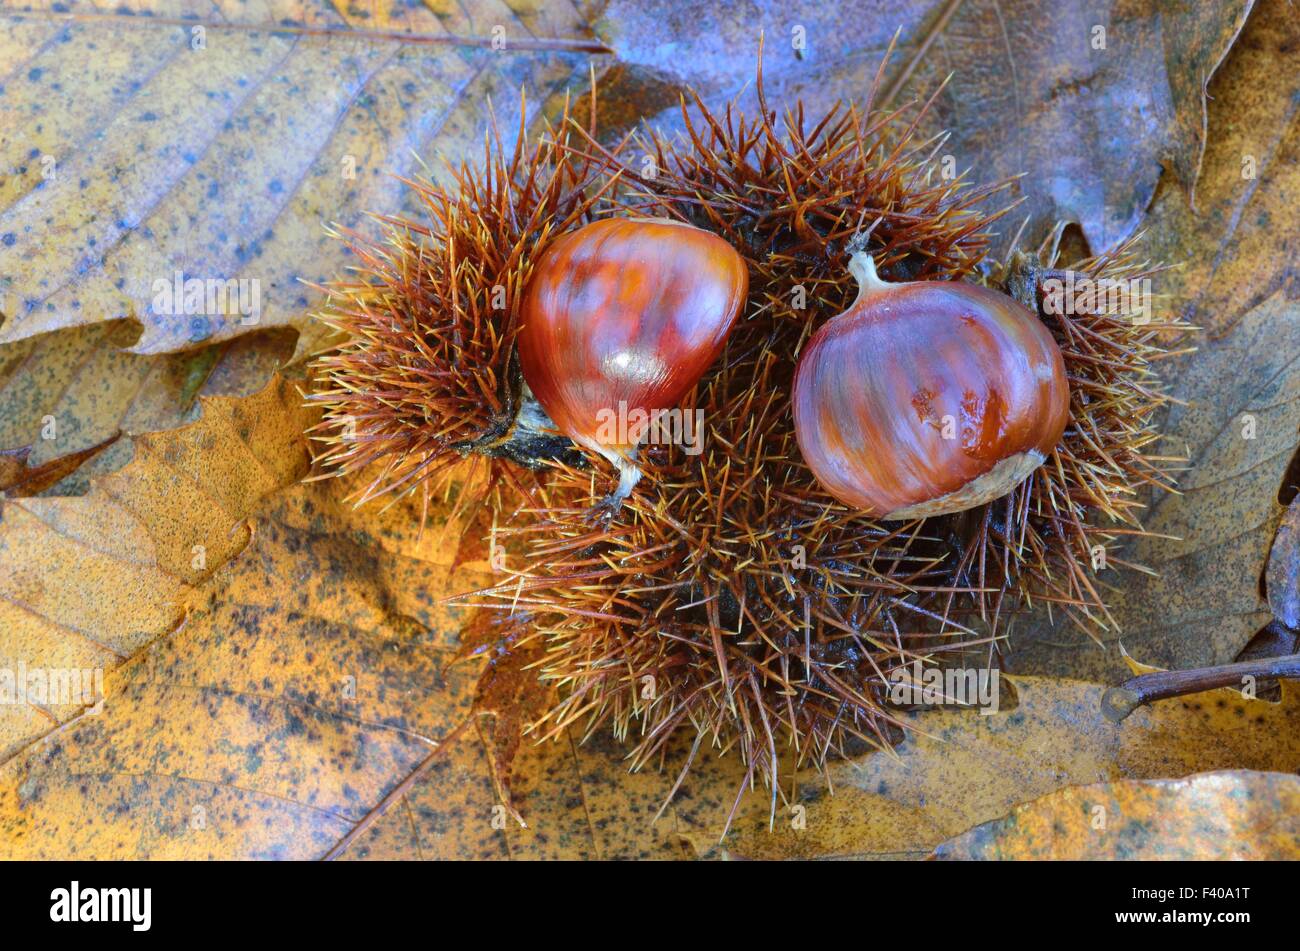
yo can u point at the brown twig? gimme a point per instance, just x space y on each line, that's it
1118 702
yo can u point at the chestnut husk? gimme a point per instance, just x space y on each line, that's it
695 581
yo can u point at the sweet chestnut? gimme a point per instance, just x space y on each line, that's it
927 397
621 318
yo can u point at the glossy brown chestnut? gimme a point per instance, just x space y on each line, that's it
927 397
620 318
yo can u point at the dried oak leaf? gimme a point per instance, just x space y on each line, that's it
68 396
1211 539
1283 573
1088 103
1239 246
959 769
310 706
312 680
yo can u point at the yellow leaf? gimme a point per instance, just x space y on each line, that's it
88 581
959 769
66 397
1224 816
151 151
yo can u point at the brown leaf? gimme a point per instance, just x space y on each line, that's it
66 397
18 479
960 769
1224 816
89 581
310 706
310 679
1239 247
1240 426
225 156
1029 91
1205 606
1283 573
507 698
1239 429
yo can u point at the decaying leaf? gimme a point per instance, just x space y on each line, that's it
311 708
960 769
18 478
217 141
1087 102
1238 247
1239 429
1242 427
1282 576
67 397
312 679
1229 815
283 678
1205 606
89 581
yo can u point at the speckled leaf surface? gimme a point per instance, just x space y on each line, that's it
311 677
1238 247
297 696
1088 101
135 148
1239 424
1282 576
88 581
1224 816
960 769
146 149
310 708
70 395
1239 427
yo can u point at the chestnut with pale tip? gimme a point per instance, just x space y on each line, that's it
620 319
927 397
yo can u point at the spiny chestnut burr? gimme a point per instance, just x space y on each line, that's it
619 320
927 397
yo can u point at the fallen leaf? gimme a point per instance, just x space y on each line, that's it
18 479
1283 573
66 397
219 147
1224 816
311 675
1239 429
1238 248
1087 103
309 704
958 769
89 581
